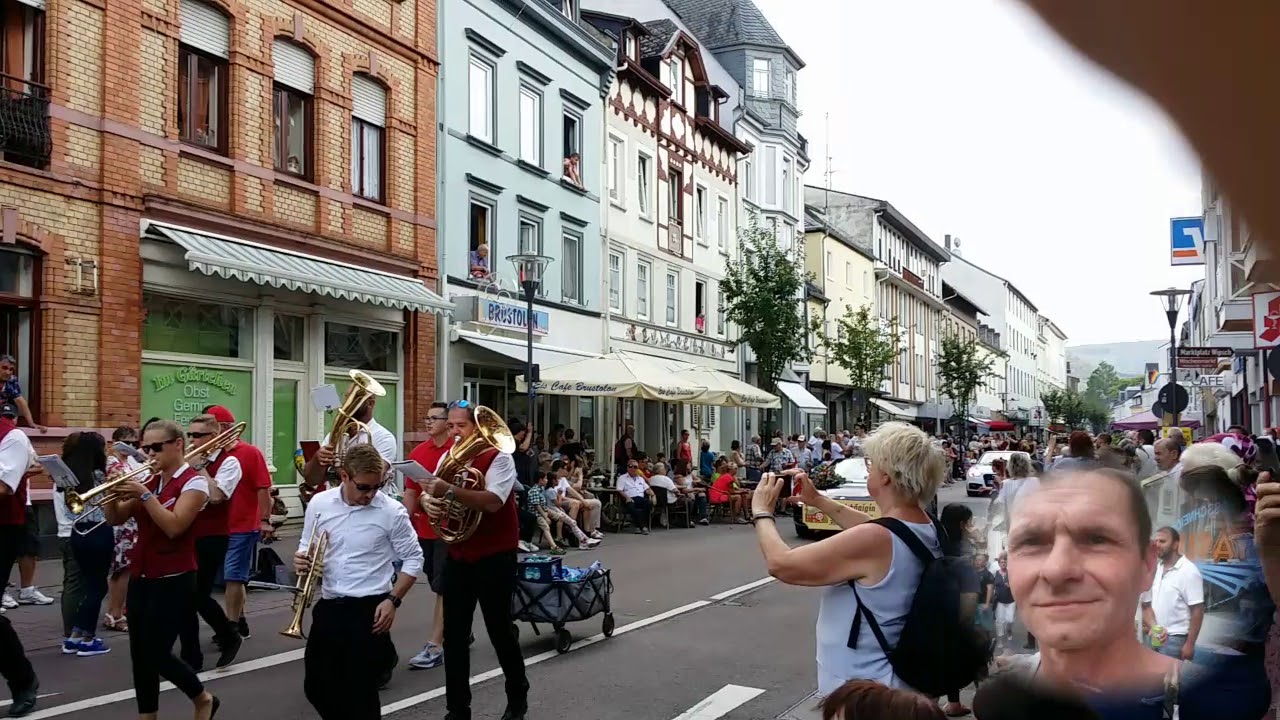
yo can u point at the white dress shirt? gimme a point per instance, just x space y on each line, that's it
632 487
1172 594
364 540
500 478
382 440
16 455
228 475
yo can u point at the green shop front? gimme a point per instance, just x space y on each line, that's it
255 328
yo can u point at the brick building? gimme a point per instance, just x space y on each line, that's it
217 201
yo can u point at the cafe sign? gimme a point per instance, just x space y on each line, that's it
507 315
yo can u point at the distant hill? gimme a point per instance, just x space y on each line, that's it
1128 358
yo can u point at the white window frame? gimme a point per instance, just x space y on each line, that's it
771 175
671 298
788 178
761 69
706 304
675 77
720 321
789 86
530 222
568 279
615 299
848 273
701 214
644 184
644 289
722 223
531 125
480 64
830 265
617 162
748 180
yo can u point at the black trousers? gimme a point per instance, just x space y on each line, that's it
14 665
344 659
488 582
639 509
211 554
157 608
94 551
12 538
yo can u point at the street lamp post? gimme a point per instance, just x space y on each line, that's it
1172 299
529 269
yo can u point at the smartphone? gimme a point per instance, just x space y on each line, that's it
412 470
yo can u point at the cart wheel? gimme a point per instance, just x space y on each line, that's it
563 641
606 627
515 631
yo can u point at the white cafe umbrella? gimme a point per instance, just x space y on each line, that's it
727 391
615 375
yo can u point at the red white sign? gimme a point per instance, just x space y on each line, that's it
1266 319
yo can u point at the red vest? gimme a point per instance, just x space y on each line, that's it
243 515
13 507
428 455
155 554
498 532
212 520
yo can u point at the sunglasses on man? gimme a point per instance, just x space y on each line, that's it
154 448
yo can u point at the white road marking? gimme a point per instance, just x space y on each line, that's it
720 702
6 703
295 655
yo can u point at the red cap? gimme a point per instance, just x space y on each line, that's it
222 415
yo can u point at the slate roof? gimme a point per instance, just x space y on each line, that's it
720 23
660 32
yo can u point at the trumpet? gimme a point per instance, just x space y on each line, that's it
308 583
100 496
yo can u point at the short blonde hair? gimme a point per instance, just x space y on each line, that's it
1020 465
660 469
915 466
363 459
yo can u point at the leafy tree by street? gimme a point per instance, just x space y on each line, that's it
1101 382
864 349
762 291
962 368
1065 406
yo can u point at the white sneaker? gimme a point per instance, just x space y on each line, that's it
8 603
33 596
590 543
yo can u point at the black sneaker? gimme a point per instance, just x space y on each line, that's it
242 627
25 702
229 646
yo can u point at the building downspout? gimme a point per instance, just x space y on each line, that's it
444 321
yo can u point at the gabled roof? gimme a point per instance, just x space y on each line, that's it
889 214
1011 286
723 23
949 293
815 219
659 36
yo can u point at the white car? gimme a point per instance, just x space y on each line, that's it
852 492
980 480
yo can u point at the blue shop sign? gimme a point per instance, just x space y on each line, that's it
499 314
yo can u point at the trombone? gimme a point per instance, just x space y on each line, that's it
99 497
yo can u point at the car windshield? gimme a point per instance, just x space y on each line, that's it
853 471
990 457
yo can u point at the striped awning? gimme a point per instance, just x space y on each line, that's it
251 262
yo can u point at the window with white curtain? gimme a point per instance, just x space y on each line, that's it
643 269
530 125
673 298
644 195
615 281
368 123
722 222
617 166
571 269
719 310
700 211
480 89
770 175
760 77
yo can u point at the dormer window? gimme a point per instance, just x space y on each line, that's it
630 47
675 79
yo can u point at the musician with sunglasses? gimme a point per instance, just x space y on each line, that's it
481 570
162 588
368 533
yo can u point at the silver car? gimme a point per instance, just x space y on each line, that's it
980 480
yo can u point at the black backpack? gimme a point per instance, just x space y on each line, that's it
942 648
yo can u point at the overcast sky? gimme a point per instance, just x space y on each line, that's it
976 121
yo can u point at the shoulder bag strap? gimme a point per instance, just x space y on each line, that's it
904 533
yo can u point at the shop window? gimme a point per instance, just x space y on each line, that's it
189 327
289 339
18 302
362 348
24 102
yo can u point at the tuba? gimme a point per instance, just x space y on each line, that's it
305 591
100 496
452 521
362 388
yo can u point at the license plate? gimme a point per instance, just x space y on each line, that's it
818 520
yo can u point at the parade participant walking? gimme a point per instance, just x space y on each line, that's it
162 589
481 570
16 455
434 550
368 532
120 461
1173 609
92 544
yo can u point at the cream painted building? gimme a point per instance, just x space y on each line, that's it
670 218
843 277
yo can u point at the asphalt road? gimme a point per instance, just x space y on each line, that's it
702 633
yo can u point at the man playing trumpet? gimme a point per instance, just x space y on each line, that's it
367 532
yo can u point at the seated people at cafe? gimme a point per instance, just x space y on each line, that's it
585 507
726 491
695 492
637 497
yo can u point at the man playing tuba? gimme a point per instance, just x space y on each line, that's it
320 471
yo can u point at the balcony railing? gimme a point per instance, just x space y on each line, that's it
24 122
674 241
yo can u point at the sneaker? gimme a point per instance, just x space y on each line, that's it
71 646
596 535
704 521
8 602
432 655
228 648
644 531
33 596
589 543
528 547
92 647
242 627
556 551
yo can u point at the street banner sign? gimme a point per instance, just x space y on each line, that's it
1202 358
1187 241
1266 319
1196 377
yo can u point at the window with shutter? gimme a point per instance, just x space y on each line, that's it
204 28
203 49
295 80
294 66
368 120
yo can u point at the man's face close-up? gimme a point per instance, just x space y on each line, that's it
7 370
1076 565
1165 546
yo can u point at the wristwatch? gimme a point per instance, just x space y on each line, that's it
145 496
395 601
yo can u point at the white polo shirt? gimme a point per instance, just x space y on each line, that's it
1172 594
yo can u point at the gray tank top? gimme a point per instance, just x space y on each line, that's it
888 600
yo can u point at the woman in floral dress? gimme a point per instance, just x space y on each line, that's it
126 535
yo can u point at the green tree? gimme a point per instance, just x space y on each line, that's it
1069 408
1098 414
962 368
1102 382
864 349
762 291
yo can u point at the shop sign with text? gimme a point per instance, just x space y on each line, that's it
500 314
180 392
